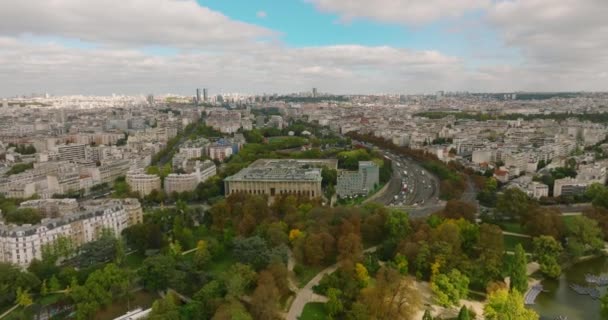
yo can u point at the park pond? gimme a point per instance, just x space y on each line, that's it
558 299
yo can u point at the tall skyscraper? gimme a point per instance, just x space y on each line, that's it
314 92
198 96
150 99
205 96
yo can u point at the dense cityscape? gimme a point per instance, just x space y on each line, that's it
280 206
303 160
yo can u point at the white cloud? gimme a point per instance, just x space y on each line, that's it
180 23
50 67
562 43
569 35
410 12
261 14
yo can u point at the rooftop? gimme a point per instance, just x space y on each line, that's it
283 170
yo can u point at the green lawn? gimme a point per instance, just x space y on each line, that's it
512 241
568 219
305 273
51 299
314 311
514 227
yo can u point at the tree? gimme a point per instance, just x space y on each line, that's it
512 204
397 224
156 271
334 304
456 209
264 300
232 310
44 290
519 277
584 236
427 315
255 251
547 252
23 297
464 314
393 296
165 308
120 255
201 255
505 305
100 289
362 274
543 221
491 249
450 288
604 306
11 277
54 284
208 299
329 176
401 263
350 248
600 215
238 279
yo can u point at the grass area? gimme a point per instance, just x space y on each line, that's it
305 273
568 219
314 311
514 227
512 241
51 299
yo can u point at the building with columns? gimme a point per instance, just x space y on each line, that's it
275 177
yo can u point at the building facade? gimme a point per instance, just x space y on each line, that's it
20 245
359 182
143 183
276 177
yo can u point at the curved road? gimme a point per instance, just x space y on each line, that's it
306 295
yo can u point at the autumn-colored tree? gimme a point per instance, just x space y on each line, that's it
456 209
544 221
362 274
600 215
220 215
350 248
393 296
264 301
294 234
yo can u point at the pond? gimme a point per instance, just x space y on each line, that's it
560 300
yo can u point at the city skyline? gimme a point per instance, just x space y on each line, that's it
343 47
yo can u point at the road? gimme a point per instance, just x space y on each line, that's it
410 185
306 294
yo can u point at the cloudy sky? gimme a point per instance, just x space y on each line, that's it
268 46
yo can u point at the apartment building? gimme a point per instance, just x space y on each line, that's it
358 182
20 245
143 183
